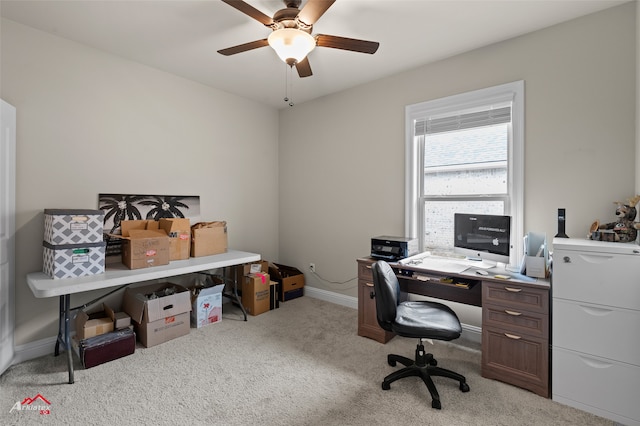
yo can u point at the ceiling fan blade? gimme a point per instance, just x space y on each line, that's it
251 11
303 68
345 43
243 47
313 10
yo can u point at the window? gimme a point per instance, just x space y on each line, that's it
465 153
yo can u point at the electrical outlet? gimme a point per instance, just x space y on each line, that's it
312 267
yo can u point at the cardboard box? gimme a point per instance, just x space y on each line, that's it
160 318
120 319
290 278
238 272
141 225
73 226
73 260
179 232
206 305
274 295
255 293
208 238
106 347
292 294
93 323
145 248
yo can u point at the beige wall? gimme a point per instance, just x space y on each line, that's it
315 182
342 156
89 123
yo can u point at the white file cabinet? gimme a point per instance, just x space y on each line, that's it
595 327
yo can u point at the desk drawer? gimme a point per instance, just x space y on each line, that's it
520 360
516 297
517 321
364 270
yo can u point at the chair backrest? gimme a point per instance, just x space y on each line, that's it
387 293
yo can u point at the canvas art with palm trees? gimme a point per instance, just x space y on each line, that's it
119 207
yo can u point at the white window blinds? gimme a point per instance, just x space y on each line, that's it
462 121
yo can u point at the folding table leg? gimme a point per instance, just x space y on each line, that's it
67 338
63 333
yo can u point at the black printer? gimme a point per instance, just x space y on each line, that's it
393 248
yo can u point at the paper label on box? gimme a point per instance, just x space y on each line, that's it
80 258
78 226
151 252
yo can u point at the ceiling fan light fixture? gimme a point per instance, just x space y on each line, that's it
292 45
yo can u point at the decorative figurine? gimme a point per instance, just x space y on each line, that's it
624 229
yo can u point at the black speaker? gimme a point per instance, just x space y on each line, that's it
561 224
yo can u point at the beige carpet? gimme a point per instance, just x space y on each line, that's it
302 364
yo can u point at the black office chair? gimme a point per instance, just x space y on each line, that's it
421 319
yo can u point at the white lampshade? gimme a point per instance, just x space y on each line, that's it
292 45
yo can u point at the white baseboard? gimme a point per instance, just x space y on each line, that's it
33 350
330 296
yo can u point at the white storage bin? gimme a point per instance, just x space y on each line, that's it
73 260
73 226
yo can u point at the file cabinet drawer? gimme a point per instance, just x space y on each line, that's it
609 386
600 278
598 330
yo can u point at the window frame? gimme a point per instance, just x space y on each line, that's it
509 92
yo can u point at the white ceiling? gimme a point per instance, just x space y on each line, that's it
182 36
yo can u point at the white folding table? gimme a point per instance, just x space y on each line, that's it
118 275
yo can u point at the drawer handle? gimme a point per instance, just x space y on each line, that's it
368 266
591 310
512 336
514 313
513 290
595 363
369 284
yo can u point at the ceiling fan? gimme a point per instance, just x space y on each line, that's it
291 37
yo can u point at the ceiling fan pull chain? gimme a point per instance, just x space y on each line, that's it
286 85
288 97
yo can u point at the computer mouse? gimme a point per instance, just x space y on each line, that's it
482 272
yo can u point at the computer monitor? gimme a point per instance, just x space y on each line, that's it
482 237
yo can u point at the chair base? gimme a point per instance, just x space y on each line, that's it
424 366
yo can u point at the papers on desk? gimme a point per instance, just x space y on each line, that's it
426 261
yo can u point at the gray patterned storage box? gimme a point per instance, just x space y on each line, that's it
73 260
73 226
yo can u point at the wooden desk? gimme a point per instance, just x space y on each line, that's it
515 318
119 276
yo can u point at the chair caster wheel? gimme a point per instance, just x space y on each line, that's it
436 404
386 386
433 362
391 361
464 387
